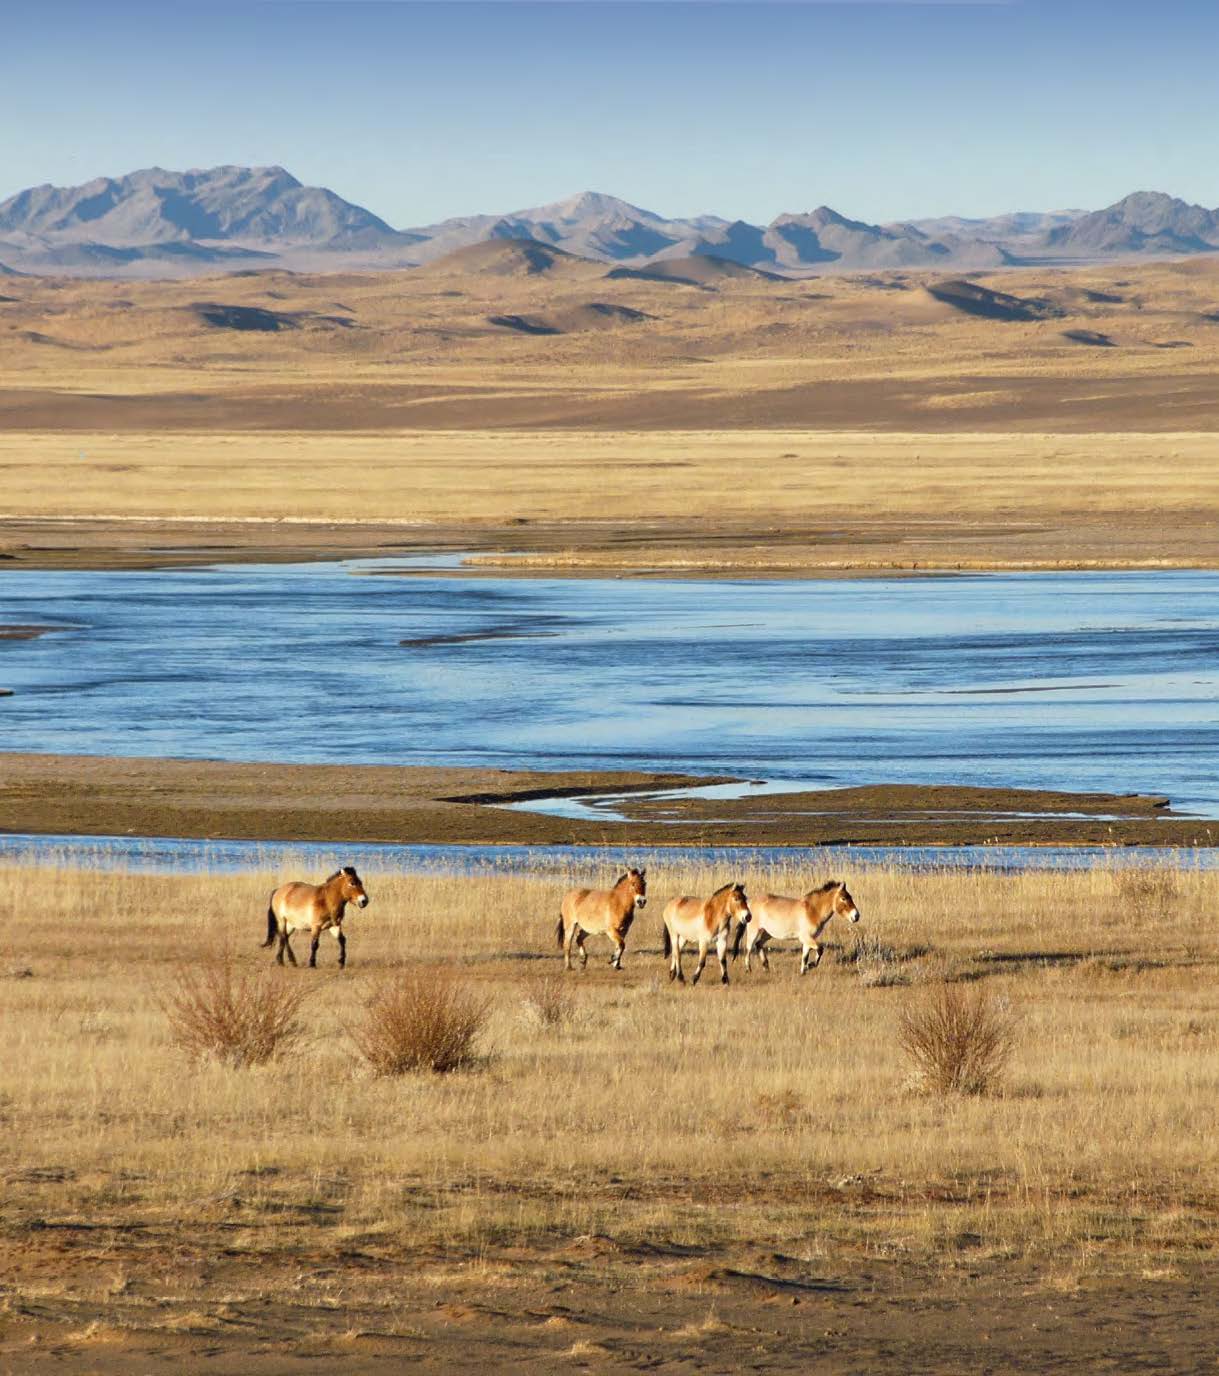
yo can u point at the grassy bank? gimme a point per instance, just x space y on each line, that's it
777 1109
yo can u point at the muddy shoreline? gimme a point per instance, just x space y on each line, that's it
106 796
731 547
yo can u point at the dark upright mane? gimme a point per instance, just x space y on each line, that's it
827 886
725 887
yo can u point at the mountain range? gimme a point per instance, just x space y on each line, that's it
160 223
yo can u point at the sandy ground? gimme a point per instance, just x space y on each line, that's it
148 1297
99 795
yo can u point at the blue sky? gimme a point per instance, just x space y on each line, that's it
880 108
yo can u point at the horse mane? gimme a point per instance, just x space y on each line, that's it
329 877
827 886
732 884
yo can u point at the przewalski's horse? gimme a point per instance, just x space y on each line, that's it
795 919
703 921
315 907
600 912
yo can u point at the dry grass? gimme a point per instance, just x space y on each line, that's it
960 1041
420 1021
662 1096
583 475
550 999
240 1017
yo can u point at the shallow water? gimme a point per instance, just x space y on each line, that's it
175 855
1095 682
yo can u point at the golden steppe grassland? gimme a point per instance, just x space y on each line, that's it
837 422
749 1130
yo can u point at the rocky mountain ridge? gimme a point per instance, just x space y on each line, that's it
156 222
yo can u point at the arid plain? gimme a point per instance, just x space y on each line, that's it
728 419
637 1185
631 1176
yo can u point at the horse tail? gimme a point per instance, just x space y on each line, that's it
558 931
736 945
272 925
668 942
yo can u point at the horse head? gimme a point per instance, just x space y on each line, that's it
636 881
844 904
352 890
738 905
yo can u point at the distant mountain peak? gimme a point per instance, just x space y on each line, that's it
586 204
211 204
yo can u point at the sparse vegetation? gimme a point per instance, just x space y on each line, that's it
878 964
645 1085
420 1020
550 999
960 1040
239 1016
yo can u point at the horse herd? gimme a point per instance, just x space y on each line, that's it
703 922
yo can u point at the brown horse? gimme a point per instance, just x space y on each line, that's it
795 919
703 921
600 912
318 907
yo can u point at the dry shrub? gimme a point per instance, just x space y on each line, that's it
784 1109
1147 891
420 1020
550 999
960 1041
878 964
241 1017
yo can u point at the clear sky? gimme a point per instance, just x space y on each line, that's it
884 109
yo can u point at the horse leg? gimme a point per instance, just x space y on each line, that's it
342 940
721 954
804 953
675 970
763 938
619 946
820 950
316 935
580 943
279 952
286 940
702 960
